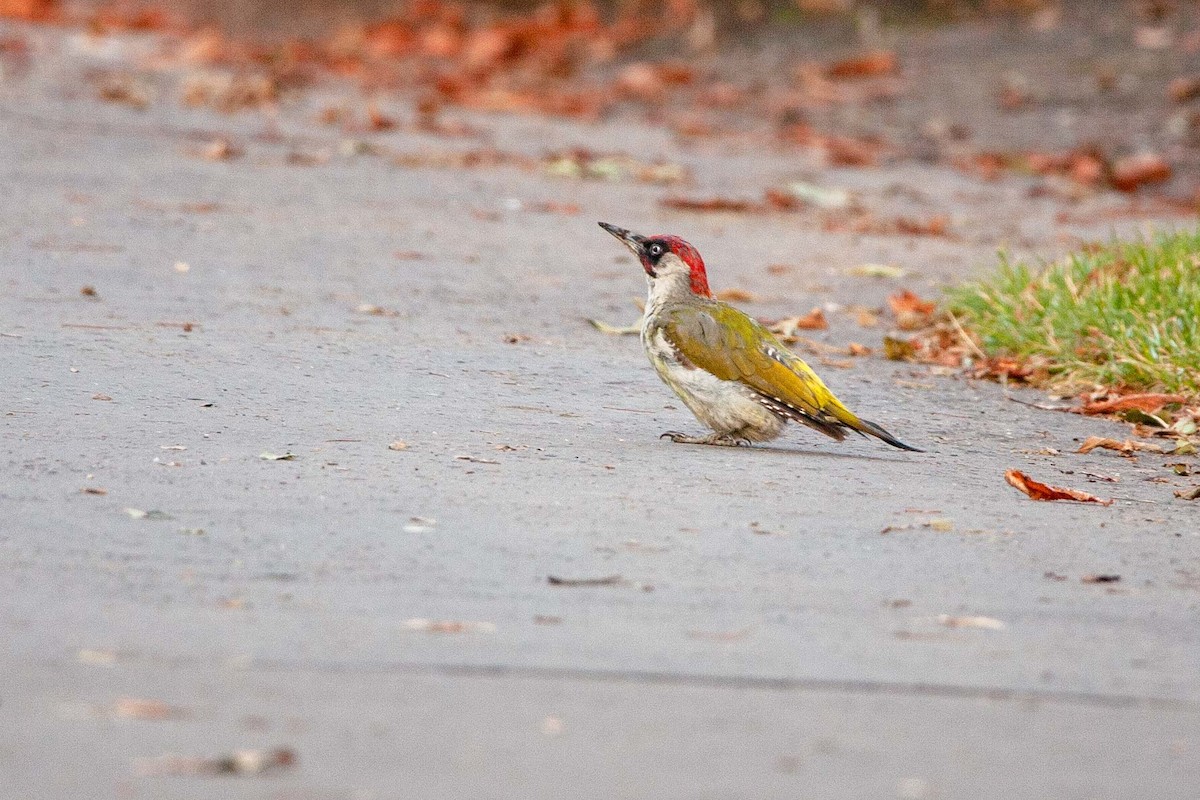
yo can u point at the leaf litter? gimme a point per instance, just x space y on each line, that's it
1041 491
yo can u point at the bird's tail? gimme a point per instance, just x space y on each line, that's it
866 427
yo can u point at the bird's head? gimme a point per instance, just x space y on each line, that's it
665 257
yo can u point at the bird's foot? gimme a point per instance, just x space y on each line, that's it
719 439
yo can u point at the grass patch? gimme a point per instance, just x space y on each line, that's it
1123 316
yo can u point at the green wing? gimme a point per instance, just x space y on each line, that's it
732 346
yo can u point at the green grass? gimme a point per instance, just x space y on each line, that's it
1124 316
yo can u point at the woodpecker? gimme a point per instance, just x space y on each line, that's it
733 374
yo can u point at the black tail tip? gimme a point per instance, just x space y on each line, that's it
879 433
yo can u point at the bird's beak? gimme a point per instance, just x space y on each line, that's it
631 240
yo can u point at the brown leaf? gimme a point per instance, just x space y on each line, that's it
937 225
856 349
144 708
1184 88
1102 578
846 151
868 65
1188 494
1138 170
1149 403
734 295
219 150
30 10
912 313
378 121
906 302
448 626
1126 447
552 207
1041 491
866 318
709 204
813 321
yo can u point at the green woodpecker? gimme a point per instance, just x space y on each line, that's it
735 376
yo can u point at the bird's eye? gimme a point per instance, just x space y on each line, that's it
656 250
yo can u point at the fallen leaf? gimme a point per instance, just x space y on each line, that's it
616 330
1188 494
819 196
1103 578
876 271
1041 491
1128 446
812 321
239 762
420 525
1148 403
897 349
143 708
99 396
476 460
1132 172
940 525
726 204
398 445
448 626
153 514
868 65
552 207
378 121
857 350
866 318
1184 88
987 623
906 302
219 150
734 295
277 457
120 88
94 490
608 580
376 311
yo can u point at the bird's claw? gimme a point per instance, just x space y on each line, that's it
721 440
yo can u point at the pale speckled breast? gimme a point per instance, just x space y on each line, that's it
724 406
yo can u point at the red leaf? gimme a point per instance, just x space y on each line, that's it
1134 171
868 65
1041 491
1148 403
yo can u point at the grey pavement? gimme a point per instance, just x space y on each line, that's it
387 613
